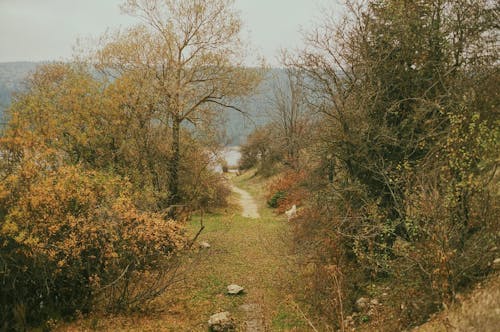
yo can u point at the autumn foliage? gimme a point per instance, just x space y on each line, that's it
286 190
68 233
83 197
403 174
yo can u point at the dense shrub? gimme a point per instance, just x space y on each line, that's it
200 186
106 125
286 190
84 196
67 235
262 152
342 238
409 145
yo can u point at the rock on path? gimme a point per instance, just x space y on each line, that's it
234 289
221 322
250 209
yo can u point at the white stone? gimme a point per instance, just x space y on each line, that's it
204 245
234 289
362 303
292 213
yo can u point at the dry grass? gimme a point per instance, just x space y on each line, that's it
248 252
479 311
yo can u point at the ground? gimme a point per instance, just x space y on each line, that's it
250 250
476 311
250 247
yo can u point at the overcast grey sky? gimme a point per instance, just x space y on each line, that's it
37 30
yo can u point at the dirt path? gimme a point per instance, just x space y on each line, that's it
247 202
248 247
254 321
254 318
253 314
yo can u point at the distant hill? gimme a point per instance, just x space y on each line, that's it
255 106
12 75
237 126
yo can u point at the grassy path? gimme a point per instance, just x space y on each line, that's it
251 252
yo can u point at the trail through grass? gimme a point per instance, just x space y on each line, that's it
250 252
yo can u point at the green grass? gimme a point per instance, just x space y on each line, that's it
286 319
249 252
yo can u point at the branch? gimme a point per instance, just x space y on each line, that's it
202 227
209 100
117 279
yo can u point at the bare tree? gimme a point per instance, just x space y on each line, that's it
288 111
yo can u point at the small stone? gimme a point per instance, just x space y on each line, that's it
204 245
221 322
362 303
234 289
292 213
496 263
374 302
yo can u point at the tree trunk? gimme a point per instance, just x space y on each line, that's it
174 163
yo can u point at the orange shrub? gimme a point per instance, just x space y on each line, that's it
287 189
67 234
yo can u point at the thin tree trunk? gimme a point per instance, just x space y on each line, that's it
174 163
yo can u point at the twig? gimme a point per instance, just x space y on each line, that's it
339 294
117 279
202 227
305 317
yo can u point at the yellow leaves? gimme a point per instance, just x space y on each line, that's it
187 56
68 212
95 280
10 227
4 193
58 110
54 229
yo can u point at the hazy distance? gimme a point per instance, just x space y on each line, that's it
34 30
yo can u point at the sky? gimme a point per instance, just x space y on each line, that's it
41 30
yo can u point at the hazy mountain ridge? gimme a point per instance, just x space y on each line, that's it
236 125
12 76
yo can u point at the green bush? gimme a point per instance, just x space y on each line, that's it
274 201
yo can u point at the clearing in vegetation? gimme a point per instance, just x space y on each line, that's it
248 251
